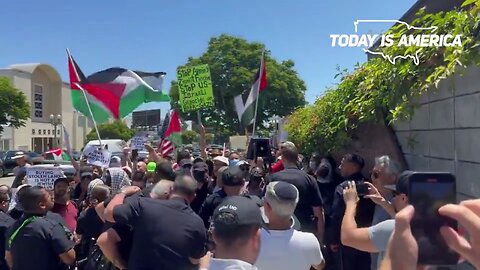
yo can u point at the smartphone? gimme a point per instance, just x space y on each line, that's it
427 193
362 189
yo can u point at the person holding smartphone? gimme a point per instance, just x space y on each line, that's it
373 239
351 170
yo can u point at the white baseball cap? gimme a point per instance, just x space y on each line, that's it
222 159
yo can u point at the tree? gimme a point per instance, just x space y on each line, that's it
233 63
209 138
114 130
189 136
14 107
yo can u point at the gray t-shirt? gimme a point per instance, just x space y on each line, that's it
379 235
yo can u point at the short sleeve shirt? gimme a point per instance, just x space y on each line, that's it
380 235
309 194
47 237
167 233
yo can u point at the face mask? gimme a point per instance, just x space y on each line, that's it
234 162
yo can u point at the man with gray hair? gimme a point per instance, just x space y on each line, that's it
283 247
162 190
385 172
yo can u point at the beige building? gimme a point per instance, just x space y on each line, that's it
48 95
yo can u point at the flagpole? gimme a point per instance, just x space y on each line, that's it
91 113
258 94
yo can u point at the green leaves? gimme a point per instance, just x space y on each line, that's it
233 63
14 107
114 130
380 91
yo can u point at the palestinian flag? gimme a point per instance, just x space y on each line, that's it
58 154
170 134
246 111
114 92
174 129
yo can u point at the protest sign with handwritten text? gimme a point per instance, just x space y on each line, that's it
43 176
138 143
97 157
195 88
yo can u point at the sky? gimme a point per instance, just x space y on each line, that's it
159 35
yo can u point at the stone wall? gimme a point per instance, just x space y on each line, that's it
444 132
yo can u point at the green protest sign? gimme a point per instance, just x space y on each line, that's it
195 88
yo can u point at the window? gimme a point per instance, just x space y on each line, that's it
49 132
33 131
38 101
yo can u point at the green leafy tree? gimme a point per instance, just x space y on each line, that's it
233 63
114 130
14 107
189 136
378 91
209 137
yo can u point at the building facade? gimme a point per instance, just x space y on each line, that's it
47 95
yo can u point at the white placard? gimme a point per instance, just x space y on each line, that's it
97 157
43 176
138 143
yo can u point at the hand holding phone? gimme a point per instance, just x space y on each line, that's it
427 193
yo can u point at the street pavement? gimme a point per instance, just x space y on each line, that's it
7 180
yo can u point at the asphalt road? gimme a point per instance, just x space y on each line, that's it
7 180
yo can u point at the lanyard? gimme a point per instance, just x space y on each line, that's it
14 234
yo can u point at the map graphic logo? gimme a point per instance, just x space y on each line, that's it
367 41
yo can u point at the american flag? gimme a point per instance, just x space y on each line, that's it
165 147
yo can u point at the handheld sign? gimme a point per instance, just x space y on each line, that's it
195 88
43 176
97 157
138 143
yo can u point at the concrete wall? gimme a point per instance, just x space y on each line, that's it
444 132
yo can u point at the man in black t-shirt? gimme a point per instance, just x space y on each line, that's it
351 170
47 242
168 234
309 208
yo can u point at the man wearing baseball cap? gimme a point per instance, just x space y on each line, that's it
233 181
375 238
236 232
21 170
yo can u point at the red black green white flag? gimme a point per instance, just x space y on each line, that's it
246 111
113 92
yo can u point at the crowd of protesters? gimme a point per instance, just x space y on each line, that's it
220 211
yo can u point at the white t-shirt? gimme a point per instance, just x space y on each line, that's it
288 249
229 264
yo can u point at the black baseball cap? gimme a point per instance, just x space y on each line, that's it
245 212
200 166
185 162
402 185
234 176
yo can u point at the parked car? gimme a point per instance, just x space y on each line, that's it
2 156
9 164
